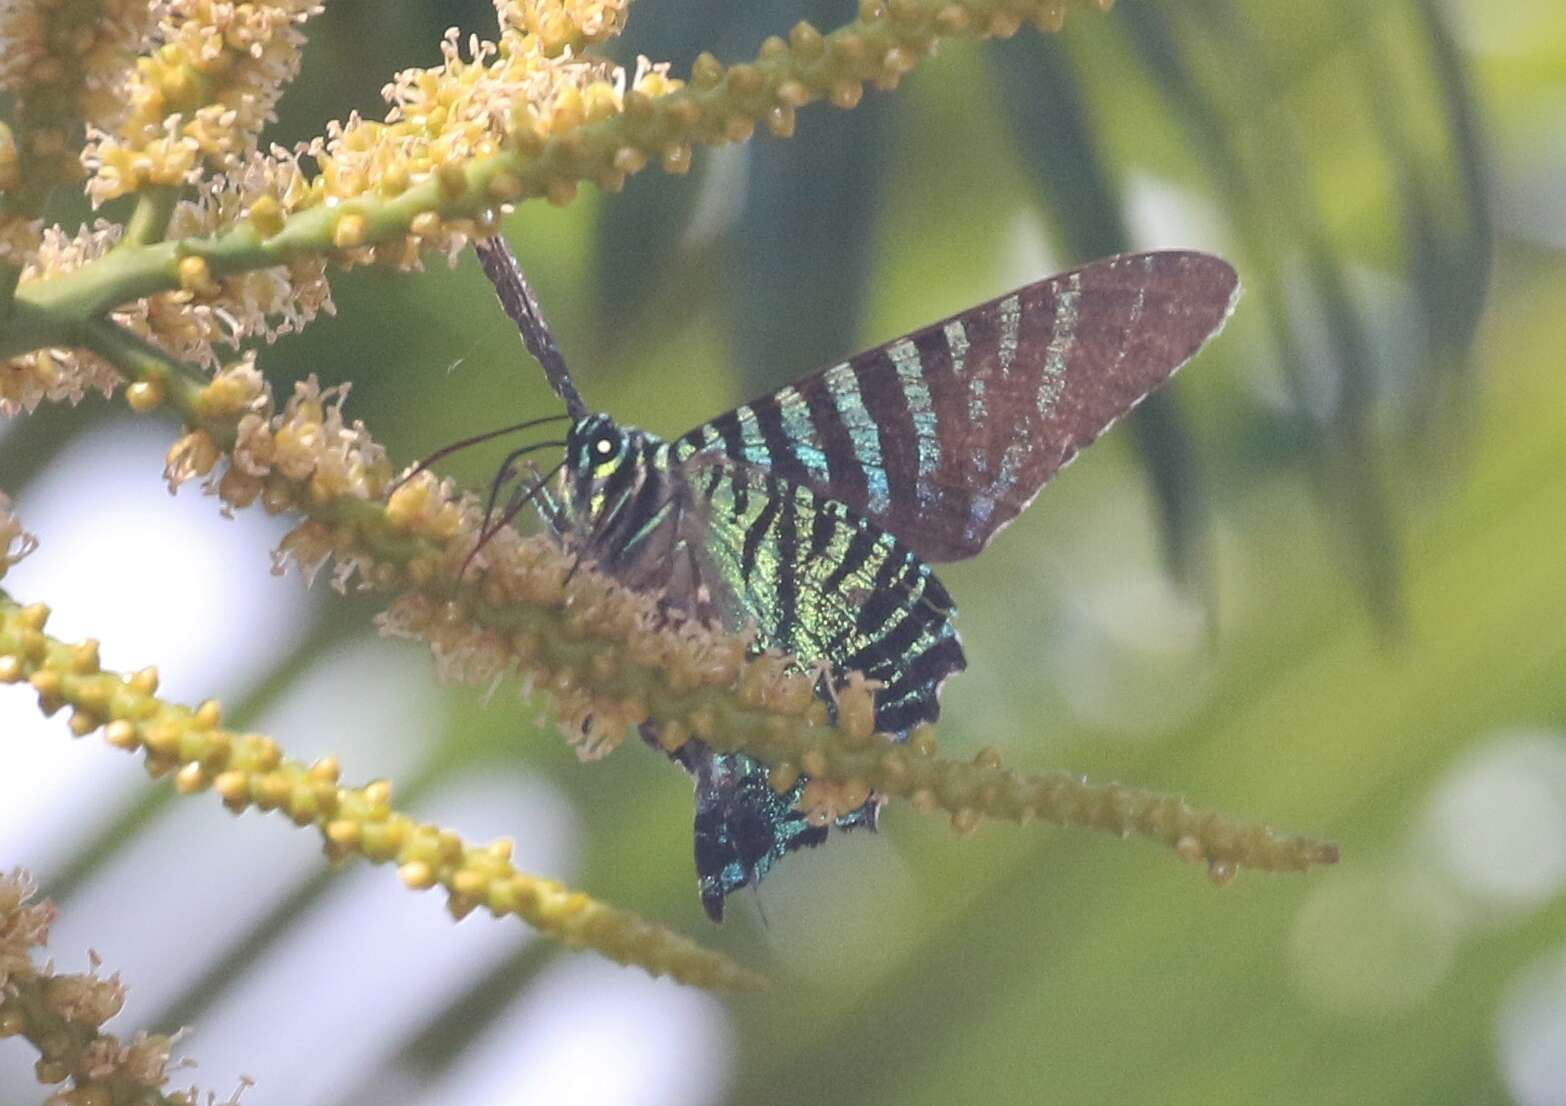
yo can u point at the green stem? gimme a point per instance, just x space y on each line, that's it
139 359
149 223
67 303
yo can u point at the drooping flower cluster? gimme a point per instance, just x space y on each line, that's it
263 302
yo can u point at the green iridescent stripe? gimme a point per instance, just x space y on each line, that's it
843 386
800 426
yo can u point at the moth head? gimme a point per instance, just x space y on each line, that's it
598 451
595 447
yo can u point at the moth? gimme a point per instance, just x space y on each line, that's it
812 514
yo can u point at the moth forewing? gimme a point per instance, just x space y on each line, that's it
944 435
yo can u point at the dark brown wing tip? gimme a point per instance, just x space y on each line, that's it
1217 278
1210 286
1223 276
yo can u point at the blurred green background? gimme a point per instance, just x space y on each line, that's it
1319 581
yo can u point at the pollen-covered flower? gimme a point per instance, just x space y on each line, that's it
192 323
305 456
58 373
179 321
64 63
493 96
80 48
248 51
203 96
24 926
15 542
144 1061
559 24
260 303
84 999
163 156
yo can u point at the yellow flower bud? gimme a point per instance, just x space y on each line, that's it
676 159
143 396
847 94
349 231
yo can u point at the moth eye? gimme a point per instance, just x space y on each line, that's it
603 447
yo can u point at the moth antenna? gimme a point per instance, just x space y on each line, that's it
503 476
518 501
476 439
505 273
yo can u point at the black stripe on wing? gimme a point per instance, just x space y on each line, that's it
942 437
851 596
848 595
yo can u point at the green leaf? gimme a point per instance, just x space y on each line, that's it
1276 218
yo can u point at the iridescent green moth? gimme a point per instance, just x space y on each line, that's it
813 513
